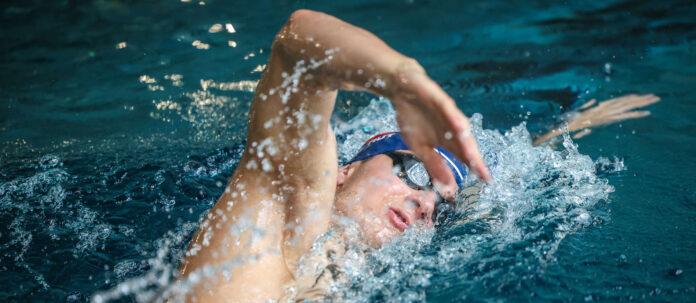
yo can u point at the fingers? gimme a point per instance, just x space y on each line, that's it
628 102
614 110
472 156
442 176
588 104
630 115
450 129
615 104
582 133
634 101
464 145
606 112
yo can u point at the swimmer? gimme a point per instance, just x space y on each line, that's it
288 184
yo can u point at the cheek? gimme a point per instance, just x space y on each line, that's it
375 192
372 197
391 195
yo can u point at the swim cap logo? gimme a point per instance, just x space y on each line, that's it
380 137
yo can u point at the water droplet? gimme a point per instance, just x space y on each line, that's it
607 68
230 29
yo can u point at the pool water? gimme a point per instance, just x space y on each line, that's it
121 121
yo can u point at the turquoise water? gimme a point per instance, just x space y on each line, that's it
121 122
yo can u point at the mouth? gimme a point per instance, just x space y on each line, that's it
399 219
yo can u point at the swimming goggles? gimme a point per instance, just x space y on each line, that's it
412 172
392 141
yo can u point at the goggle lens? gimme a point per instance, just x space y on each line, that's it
412 172
416 172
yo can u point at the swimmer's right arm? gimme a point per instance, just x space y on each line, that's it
427 116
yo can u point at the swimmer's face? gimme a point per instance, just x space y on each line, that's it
372 194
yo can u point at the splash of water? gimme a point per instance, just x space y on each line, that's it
378 117
41 199
516 224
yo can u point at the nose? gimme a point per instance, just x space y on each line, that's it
428 207
425 207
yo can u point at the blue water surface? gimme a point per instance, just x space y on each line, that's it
121 121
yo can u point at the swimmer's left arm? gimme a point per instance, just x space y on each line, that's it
606 112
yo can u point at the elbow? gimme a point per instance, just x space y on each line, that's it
303 16
299 21
297 27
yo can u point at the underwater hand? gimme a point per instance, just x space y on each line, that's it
428 117
609 111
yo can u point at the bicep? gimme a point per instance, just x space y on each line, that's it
283 186
240 237
290 142
284 181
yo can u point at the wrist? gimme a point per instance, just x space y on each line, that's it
397 76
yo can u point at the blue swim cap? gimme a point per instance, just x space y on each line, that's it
386 142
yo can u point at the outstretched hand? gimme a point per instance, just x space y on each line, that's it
610 111
428 117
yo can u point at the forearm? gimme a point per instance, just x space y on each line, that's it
314 55
358 60
606 112
355 58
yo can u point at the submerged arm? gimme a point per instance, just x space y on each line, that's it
606 112
587 116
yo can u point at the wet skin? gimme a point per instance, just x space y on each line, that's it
290 190
370 193
288 182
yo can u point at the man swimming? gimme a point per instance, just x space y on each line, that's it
287 184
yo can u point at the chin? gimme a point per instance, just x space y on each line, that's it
376 237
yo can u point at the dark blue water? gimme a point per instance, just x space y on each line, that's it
121 121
